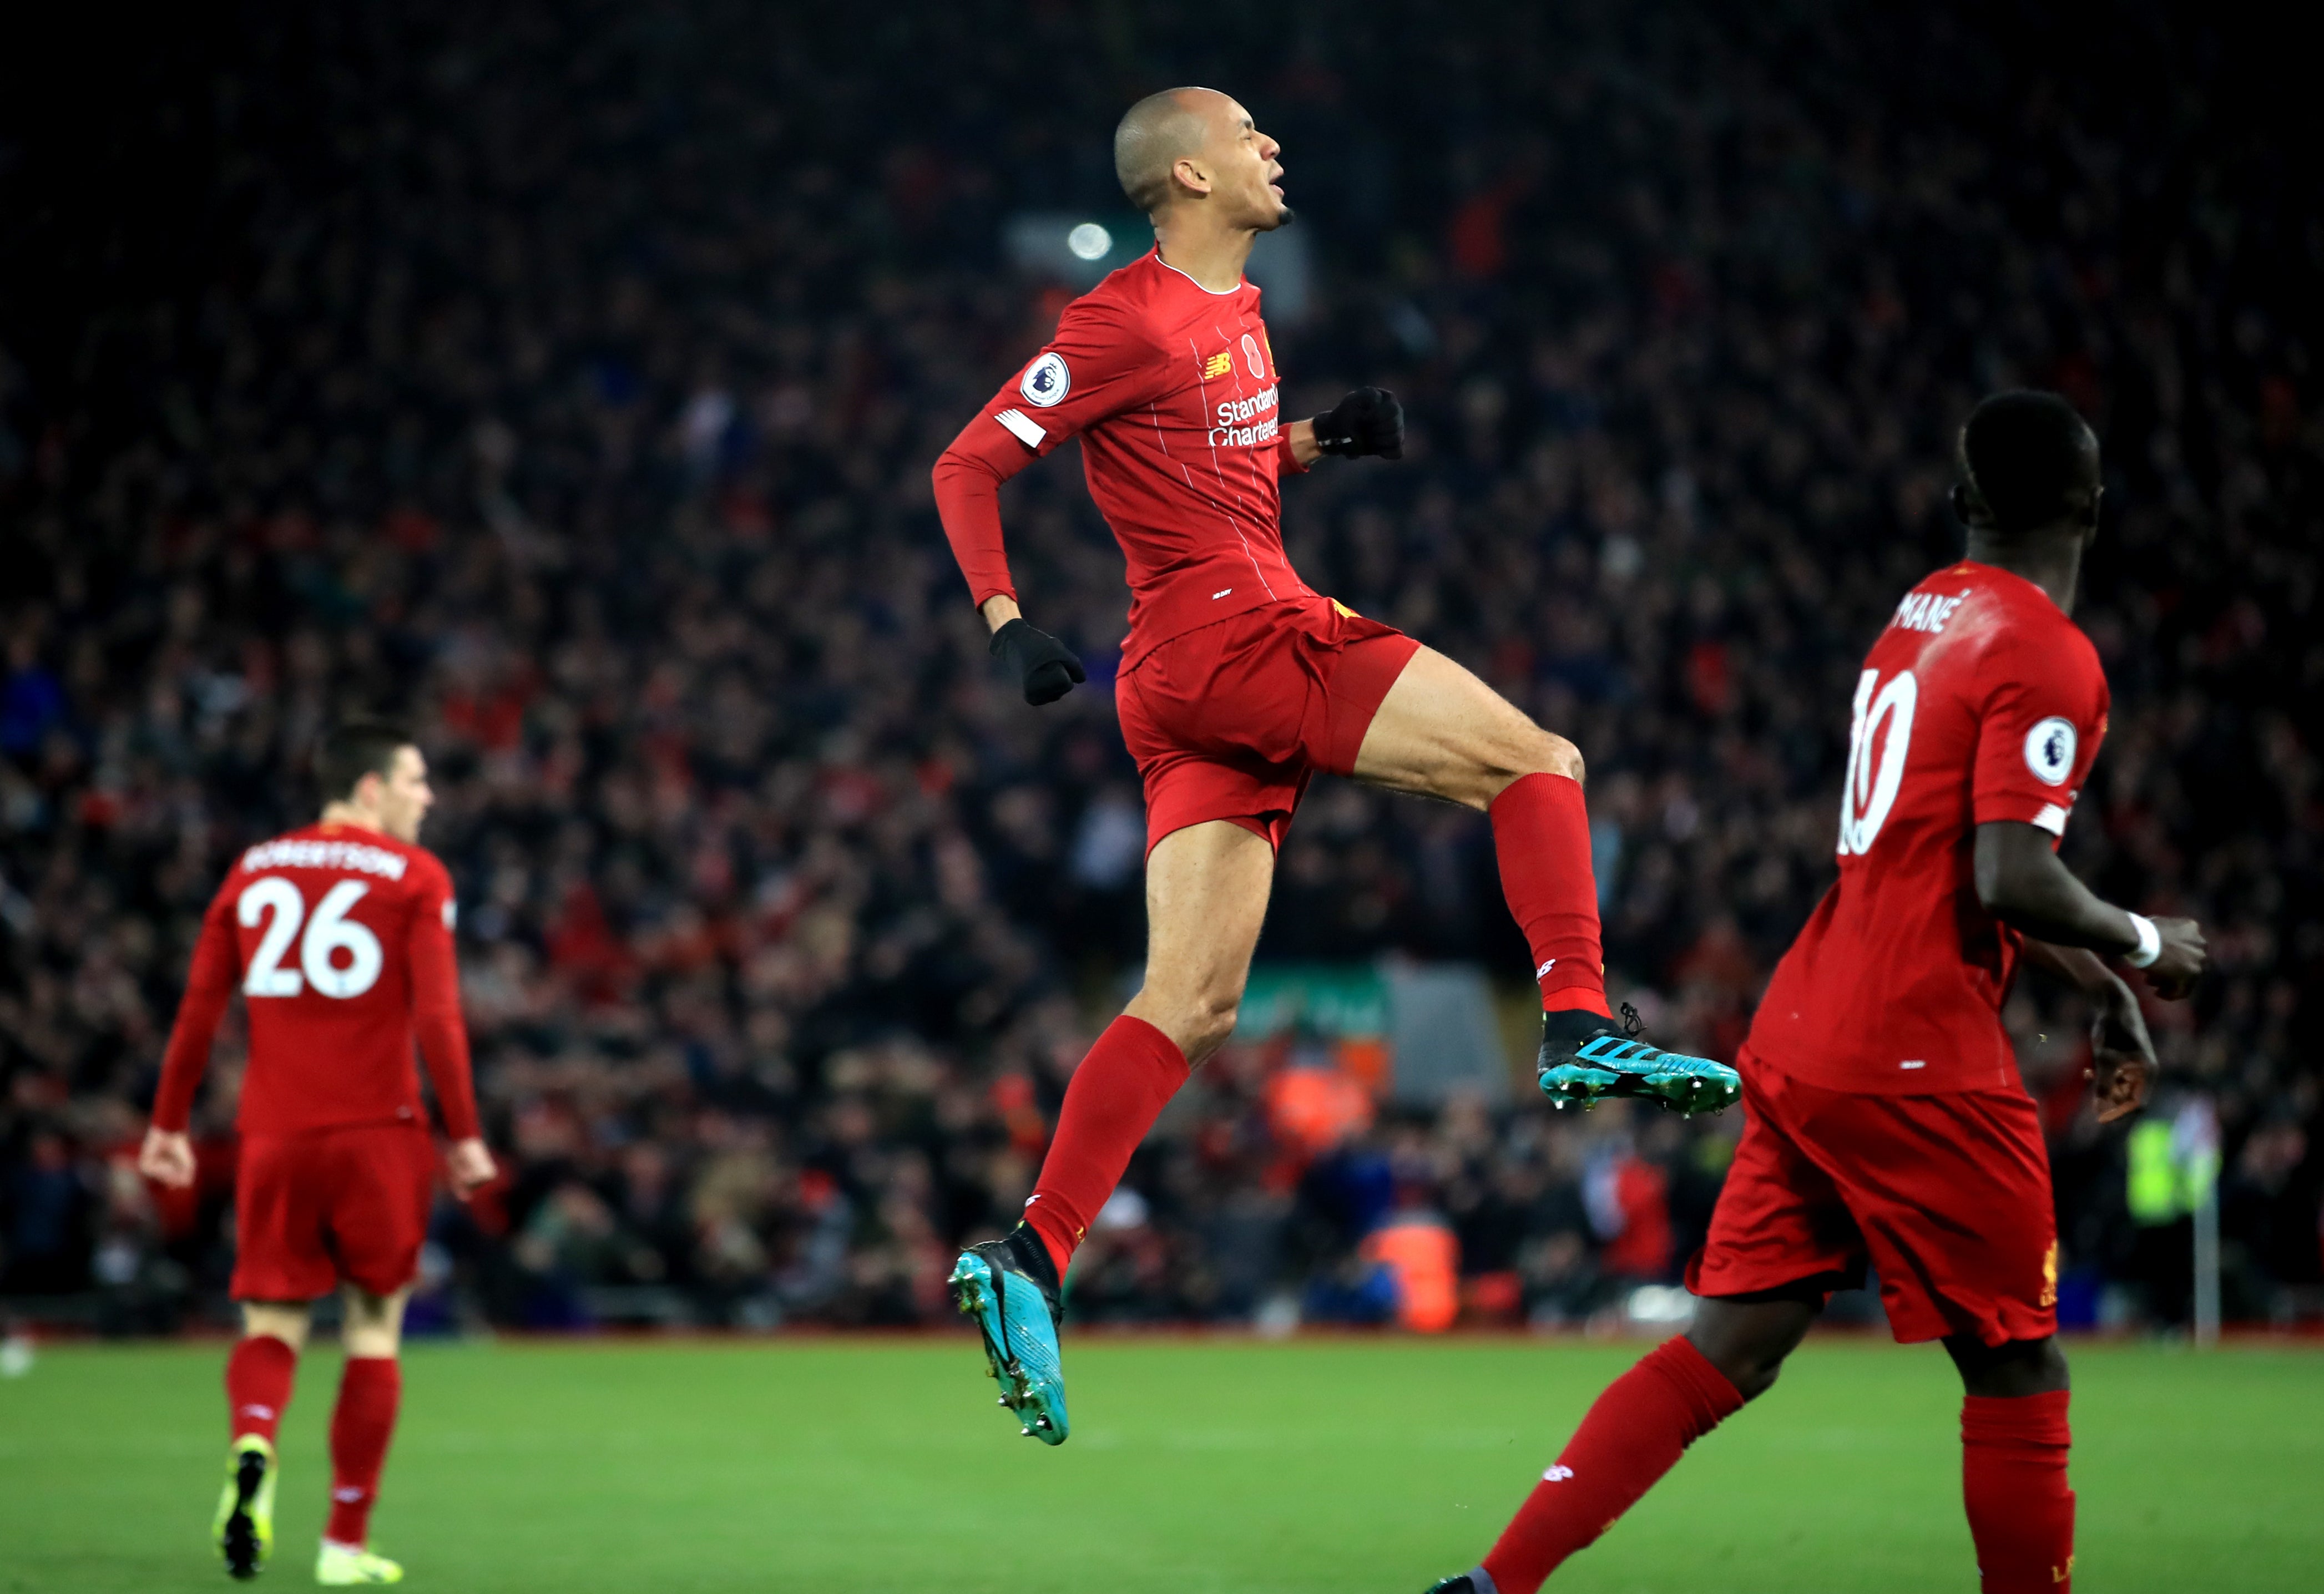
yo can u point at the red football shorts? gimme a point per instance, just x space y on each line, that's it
313 1209
1947 1197
1231 721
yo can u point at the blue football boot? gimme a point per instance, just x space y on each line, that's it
1586 1058
1009 1286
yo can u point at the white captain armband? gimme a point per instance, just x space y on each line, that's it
2150 942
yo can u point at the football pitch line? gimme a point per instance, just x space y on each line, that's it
1344 1465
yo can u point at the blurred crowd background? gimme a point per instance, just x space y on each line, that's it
567 377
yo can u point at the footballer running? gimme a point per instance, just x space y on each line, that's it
1236 683
339 936
1886 1123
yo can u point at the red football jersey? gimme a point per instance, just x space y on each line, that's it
1980 702
1172 390
340 939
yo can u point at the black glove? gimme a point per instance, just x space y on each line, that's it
1049 666
1367 421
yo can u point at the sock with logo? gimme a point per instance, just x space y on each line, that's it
1541 833
361 1426
1635 1434
1116 1094
258 1377
2021 1513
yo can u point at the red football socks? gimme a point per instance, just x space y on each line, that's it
1541 833
1634 1435
361 1426
1116 1094
2013 1482
258 1377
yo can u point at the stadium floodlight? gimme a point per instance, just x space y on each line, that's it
1078 249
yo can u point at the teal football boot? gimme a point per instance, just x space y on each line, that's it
1585 1058
1009 1286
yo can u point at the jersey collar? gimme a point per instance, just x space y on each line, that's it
1240 282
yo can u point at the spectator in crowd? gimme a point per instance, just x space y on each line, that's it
567 380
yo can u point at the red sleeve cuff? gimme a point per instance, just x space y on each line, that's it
1285 459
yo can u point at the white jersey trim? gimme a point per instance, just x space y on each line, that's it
1240 282
1023 427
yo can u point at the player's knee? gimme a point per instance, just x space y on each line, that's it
1210 1018
1752 1368
268 1320
1511 754
1755 1379
2018 1367
1554 755
1532 751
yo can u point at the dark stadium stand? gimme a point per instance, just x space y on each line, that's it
566 378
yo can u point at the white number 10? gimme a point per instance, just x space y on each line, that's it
1869 794
330 930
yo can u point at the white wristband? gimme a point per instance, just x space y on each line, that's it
2150 942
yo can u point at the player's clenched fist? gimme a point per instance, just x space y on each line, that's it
469 1166
2122 1053
2181 960
167 1159
1047 665
1367 421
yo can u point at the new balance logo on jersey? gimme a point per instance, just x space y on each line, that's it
1217 366
1557 1474
1925 611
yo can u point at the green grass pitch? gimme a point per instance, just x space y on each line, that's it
1197 1465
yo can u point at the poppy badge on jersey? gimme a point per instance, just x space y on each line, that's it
1046 381
2050 750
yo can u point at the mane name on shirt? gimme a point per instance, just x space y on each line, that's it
1926 611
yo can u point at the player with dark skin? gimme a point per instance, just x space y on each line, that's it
2021 881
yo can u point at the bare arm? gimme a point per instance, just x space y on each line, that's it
2122 1055
1304 449
2021 882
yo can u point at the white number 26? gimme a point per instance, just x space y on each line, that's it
329 931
